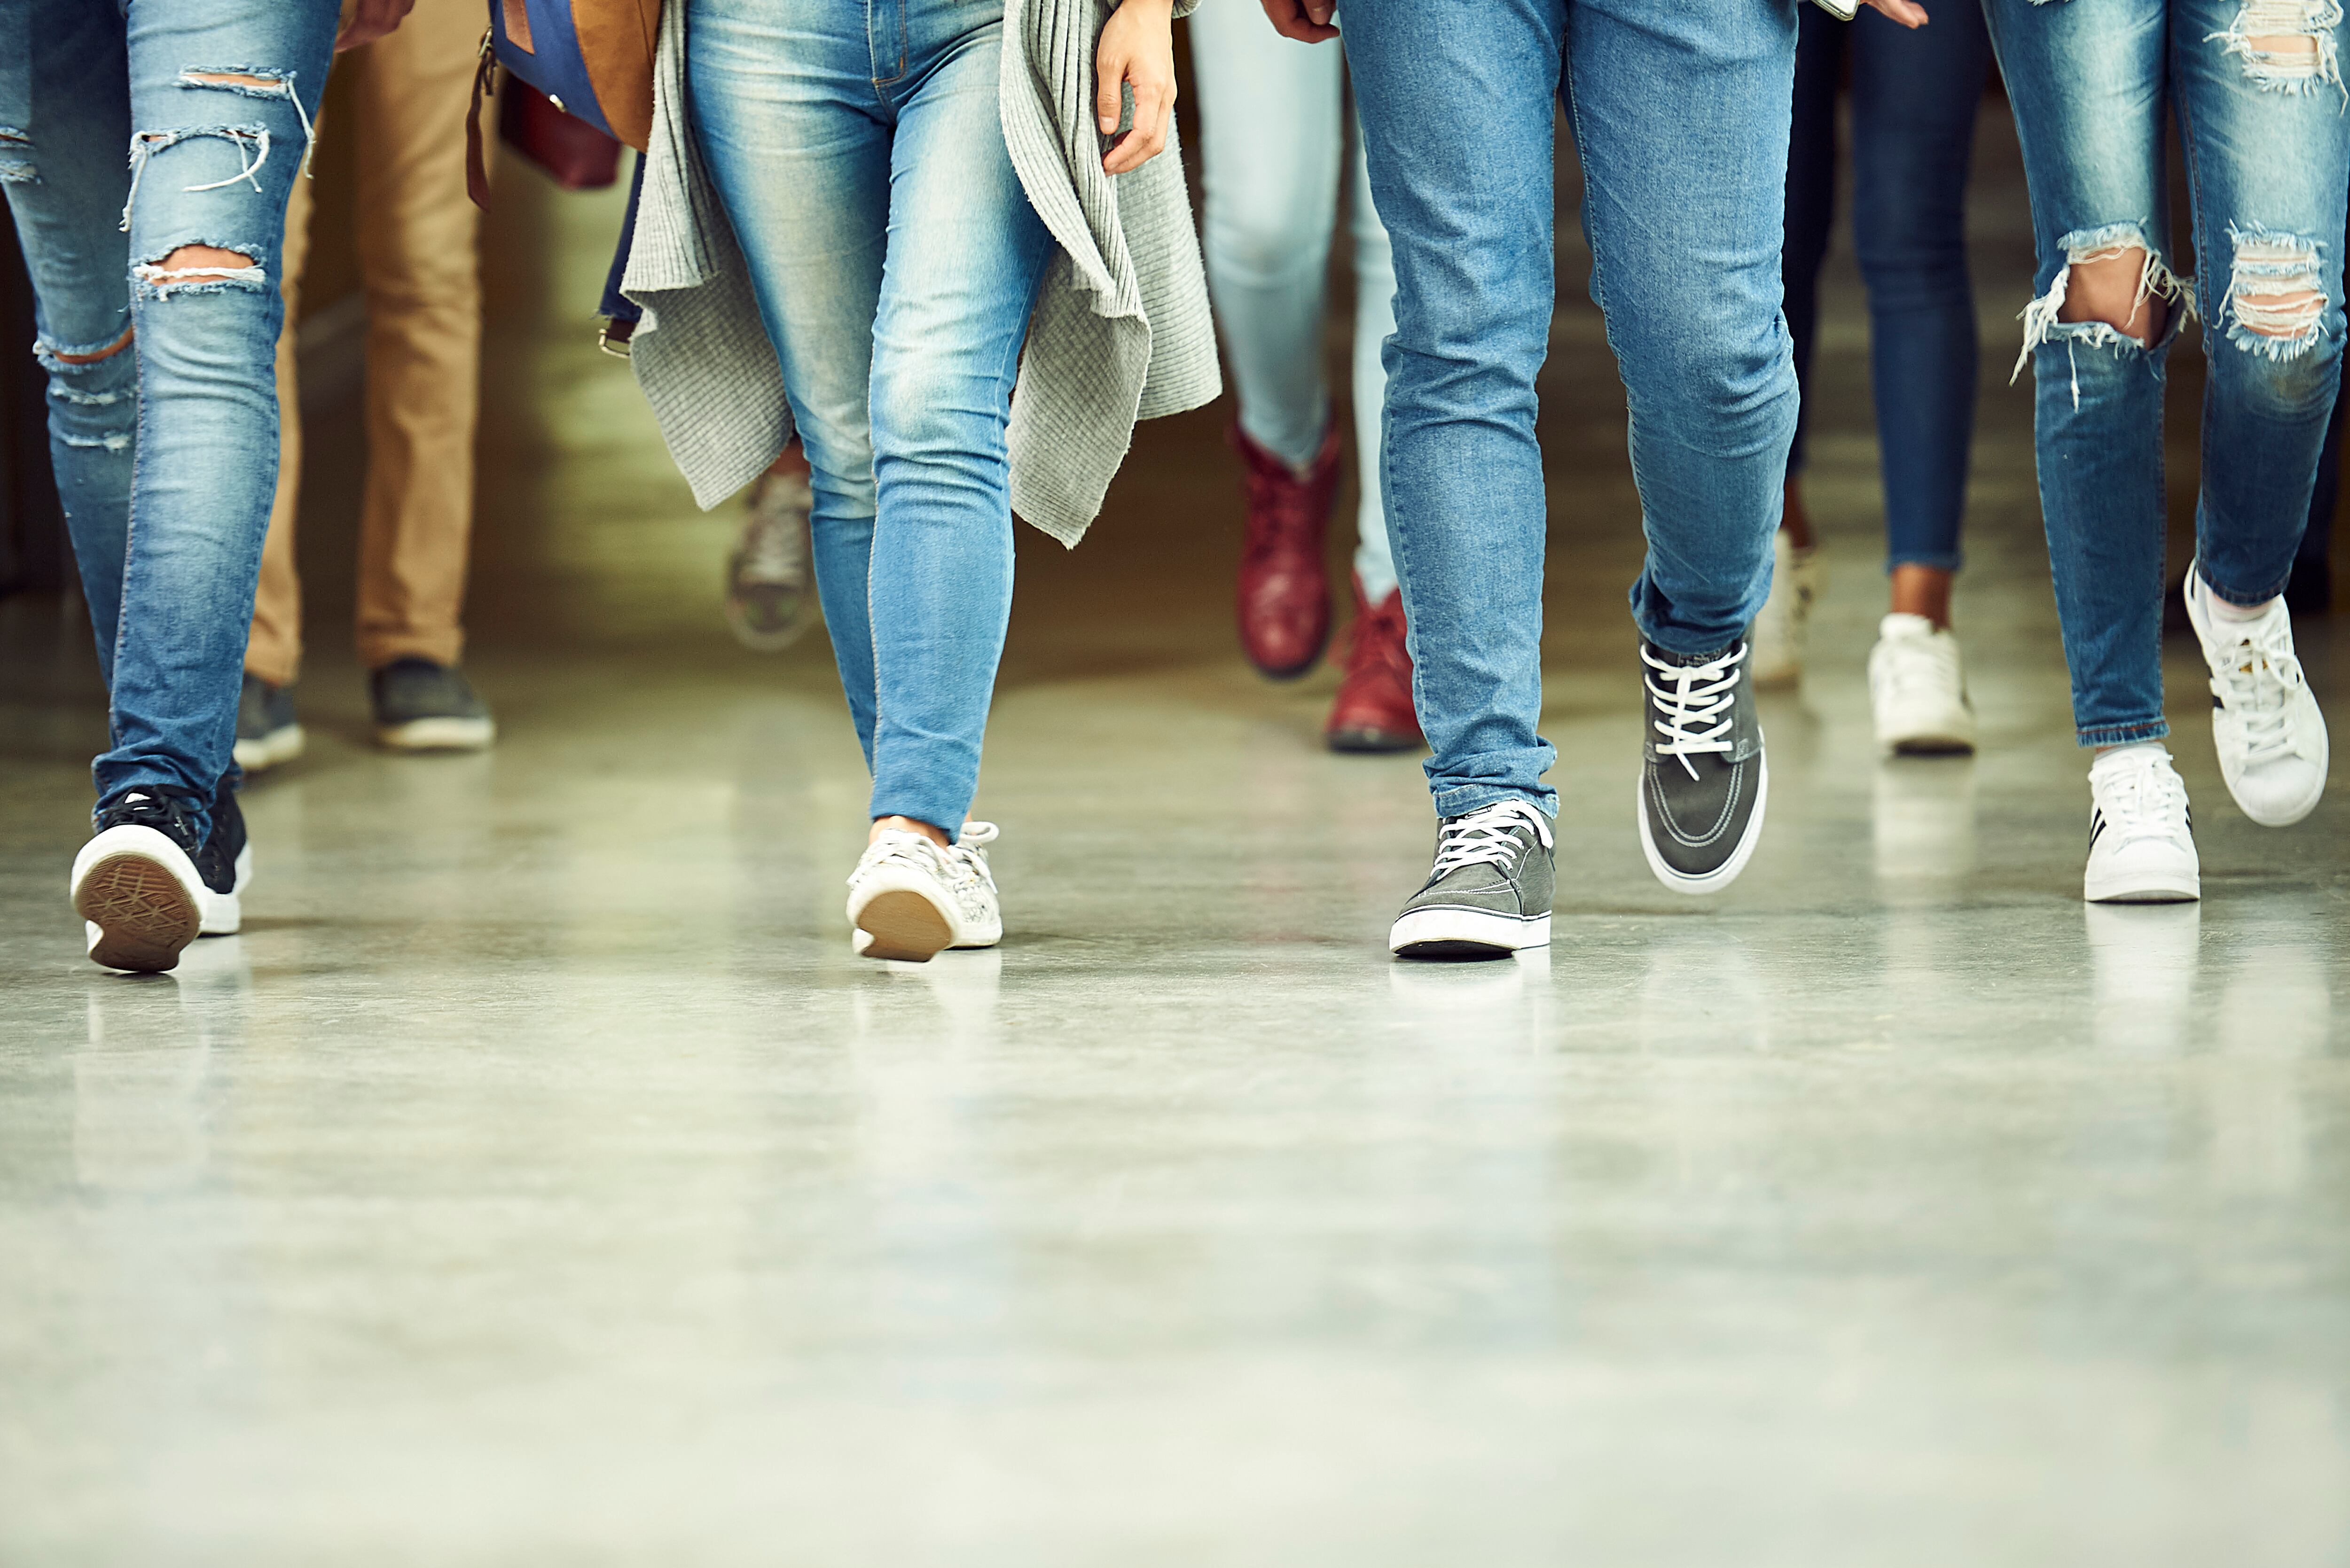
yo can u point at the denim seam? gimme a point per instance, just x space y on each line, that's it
2246 601
2123 734
1460 800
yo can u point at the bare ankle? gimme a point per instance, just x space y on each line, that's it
1922 591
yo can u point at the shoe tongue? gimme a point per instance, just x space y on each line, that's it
1690 660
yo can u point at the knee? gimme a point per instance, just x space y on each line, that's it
2274 309
93 391
197 268
943 424
1251 242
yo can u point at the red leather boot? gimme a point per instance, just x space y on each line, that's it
1285 588
1373 711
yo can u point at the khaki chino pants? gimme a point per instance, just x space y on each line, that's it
419 244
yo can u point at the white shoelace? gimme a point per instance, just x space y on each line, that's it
771 550
1921 665
1484 837
2258 683
1695 703
2141 797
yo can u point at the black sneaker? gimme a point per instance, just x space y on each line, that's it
136 884
1703 780
224 865
1489 892
420 706
267 732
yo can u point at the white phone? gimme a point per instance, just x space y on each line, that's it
1842 10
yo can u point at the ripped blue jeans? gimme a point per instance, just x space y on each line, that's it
163 400
2266 122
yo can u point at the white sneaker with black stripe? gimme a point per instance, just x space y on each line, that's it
2141 837
2265 724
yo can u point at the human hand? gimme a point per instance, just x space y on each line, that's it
1136 50
1307 21
1908 13
371 20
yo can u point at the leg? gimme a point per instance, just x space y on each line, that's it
1375 283
419 261
791 126
2267 150
1467 201
1270 138
1915 99
222 93
274 653
2085 79
1686 265
1820 48
966 255
61 164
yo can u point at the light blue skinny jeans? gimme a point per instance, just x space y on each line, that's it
857 148
1273 142
1681 116
115 150
2268 171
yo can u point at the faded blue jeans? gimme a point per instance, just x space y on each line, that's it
1680 114
858 149
2268 166
126 132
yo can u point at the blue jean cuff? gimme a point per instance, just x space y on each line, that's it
1672 643
2245 600
2126 735
1460 800
1946 562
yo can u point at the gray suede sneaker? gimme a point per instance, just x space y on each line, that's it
1489 892
420 706
1703 782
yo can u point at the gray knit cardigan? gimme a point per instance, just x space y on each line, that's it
1120 332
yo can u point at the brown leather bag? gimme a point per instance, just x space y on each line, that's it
592 58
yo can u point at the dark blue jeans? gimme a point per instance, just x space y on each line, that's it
1914 99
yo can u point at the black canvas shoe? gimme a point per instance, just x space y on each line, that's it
224 866
267 732
136 885
1488 894
1703 781
420 706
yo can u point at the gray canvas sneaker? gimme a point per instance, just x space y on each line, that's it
1703 781
1488 894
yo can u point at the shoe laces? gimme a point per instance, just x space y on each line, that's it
2140 796
1696 703
2258 684
165 814
770 552
1487 838
1923 664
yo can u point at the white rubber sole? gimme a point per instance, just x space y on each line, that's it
2156 887
140 898
268 750
438 735
1466 933
223 913
1712 881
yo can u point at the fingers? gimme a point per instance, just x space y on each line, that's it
1907 12
1154 104
1307 21
1109 77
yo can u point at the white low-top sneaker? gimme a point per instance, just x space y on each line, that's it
2265 722
1781 630
1917 688
2141 837
909 899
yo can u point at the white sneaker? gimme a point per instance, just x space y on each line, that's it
1917 688
2141 837
1779 631
2265 722
909 898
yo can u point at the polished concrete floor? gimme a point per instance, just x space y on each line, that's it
539 1180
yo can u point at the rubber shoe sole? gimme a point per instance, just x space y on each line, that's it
438 735
1713 881
2145 888
265 751
140 899
1460 933
900 923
